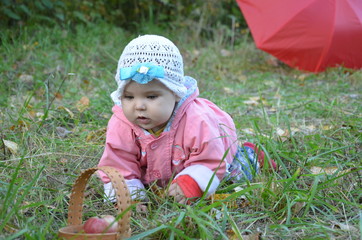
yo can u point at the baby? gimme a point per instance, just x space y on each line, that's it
162 132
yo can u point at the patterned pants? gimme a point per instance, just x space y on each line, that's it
244 166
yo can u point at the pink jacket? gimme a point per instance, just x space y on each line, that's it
198 137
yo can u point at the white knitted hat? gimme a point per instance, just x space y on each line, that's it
151 50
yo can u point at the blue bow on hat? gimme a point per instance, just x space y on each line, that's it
142 72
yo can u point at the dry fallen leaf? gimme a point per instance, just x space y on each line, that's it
251 102
283 134
12 146
21 125
271 110
26 78
295 130
220 197
297 207
248 131
97 135
233 236
255 101
329 170
196 53
225 53
71 114
58 96
242 78
310 128
320 170
83 104
251 131
11 228
273 61
63 161
302 77
160 192
228 90
32 114
327 127
63 132
345 226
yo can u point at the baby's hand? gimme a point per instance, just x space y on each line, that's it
185 189
176 192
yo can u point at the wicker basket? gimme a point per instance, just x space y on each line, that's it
74 230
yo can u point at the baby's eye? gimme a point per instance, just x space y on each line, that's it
128 97
152 97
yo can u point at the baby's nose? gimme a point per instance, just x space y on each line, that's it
140 105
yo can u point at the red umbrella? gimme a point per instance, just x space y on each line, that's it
307 34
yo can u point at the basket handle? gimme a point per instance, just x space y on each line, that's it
75 209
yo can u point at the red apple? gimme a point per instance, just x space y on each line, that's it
99 225
111 221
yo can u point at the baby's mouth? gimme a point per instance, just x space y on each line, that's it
143 120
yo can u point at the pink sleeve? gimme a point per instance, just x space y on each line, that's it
121 151
207 147
210 140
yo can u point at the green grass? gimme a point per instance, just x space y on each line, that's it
302 121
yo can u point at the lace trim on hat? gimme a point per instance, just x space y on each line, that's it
191 85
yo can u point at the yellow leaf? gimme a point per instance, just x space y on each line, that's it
233 236
302 77
160 192
97 135
71 114
251 131
327 170
251 102
83 104
345 226
58 95
32 114
248 131
228 90
271 110
311 128
295 130
220 197
13 147
255 99
327 127
26 78
281 132
10 228
242 78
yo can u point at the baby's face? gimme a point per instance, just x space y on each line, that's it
149 105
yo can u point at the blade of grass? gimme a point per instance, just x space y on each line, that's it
311 196
328 152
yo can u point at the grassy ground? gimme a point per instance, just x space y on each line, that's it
54 99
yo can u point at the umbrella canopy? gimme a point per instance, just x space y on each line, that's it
307 34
